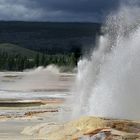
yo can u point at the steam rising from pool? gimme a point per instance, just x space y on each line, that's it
41 83
35 79
108 82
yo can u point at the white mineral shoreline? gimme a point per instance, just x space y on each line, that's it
12 126
27 100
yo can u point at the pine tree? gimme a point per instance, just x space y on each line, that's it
37 60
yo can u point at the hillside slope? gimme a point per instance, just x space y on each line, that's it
12 49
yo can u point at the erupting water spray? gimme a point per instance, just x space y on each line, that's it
108 83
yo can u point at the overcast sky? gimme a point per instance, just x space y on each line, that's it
58 10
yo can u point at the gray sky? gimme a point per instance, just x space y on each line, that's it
58 10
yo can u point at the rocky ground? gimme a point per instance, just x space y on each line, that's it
87 128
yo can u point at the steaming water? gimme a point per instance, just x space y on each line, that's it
31 86
108 82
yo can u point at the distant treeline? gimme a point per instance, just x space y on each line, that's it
25 45
11 62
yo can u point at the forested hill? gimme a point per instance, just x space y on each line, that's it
51 37
25 45
16 58
14 50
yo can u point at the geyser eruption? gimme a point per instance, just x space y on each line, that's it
108 83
